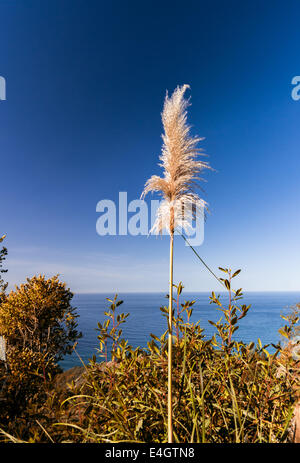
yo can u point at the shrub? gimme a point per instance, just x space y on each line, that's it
39 326
24 380
38 316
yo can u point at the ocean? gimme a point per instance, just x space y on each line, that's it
262 321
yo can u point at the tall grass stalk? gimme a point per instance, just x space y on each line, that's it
170 341
180 204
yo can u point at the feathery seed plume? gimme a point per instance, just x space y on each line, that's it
182 167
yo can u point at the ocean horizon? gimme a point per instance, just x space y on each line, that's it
262 321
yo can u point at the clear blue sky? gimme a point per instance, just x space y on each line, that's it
85 87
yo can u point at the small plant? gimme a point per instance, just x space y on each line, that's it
233 313
3 284
110 329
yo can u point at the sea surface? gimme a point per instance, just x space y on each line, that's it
262 321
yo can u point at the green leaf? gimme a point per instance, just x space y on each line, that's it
225 270
283 332
236 273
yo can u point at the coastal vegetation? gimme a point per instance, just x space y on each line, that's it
224 390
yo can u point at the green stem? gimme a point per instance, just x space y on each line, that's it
170 421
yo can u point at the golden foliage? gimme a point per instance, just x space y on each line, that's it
38 315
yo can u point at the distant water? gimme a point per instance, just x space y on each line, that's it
262 321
